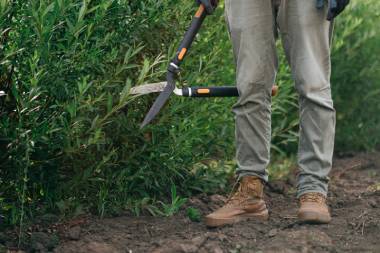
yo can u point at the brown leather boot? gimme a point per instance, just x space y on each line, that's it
247 202
314 209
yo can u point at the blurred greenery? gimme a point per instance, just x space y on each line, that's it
193 214
69 129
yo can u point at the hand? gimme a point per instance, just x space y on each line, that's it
336 7
210 5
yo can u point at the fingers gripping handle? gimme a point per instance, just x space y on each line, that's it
210 5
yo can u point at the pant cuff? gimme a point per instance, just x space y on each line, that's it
244 173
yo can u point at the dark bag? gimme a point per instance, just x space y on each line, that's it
335 7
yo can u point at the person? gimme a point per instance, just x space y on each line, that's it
305 31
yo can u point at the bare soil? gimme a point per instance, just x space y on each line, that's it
354 200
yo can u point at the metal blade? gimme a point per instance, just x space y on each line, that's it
148 88
159 103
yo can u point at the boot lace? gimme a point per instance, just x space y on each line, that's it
242 193
313 197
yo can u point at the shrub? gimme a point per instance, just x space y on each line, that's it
69 129
355 78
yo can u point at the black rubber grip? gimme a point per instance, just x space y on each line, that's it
201 92
190 36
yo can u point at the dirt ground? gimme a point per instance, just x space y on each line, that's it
354 200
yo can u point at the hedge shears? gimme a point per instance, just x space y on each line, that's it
168 88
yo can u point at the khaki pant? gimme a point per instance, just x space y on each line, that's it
305 35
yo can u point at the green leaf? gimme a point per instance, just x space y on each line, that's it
193 214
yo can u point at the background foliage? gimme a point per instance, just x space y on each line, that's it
69 130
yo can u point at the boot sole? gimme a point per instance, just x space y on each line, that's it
213 222
314 218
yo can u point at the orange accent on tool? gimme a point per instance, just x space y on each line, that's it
200 11
274 90
181 54
203 91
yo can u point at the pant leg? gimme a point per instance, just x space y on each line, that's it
251 28
306 38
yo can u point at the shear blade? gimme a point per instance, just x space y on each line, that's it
148 88
159 103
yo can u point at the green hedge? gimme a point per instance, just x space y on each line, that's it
69 130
